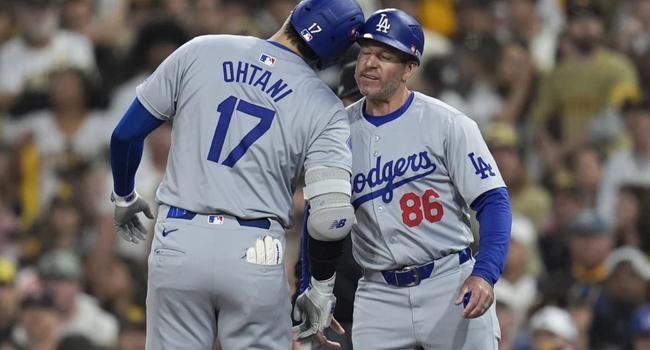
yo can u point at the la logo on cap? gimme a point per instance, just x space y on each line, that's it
383 25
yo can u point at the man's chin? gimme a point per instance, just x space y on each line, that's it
369 93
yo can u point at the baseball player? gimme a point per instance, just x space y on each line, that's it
347 270
248 114
418 166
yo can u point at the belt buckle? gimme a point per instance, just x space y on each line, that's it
413 270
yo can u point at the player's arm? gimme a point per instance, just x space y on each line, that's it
495 220
476 176
329 218
127 142
155 103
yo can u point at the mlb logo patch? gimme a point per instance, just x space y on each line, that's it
306 35
216 219
268 59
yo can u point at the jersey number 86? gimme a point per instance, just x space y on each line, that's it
416 208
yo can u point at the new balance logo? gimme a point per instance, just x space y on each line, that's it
337 224
481 167
383 25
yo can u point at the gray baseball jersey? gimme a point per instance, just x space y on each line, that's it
413 179
247 116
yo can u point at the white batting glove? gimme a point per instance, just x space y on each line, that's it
125 218
266 251
315 307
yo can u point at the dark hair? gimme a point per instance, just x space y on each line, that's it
75 342
155 32
305 51
636 104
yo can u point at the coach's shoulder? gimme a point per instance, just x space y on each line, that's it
436 108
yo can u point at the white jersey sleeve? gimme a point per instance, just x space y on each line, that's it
331 147
159 92
469 162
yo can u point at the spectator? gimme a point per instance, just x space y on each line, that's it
66 137
153 43
118 286
630 221
40 323
633 32
9 221
580 92
507 323
40 47
629 166
590 242
64 226
518 284
8 298
61 272
476 19
552 328
516 78
104 24
471 88
526 197
209 17
587 168
75 342
641 328
132 331
6 24
626 289
525 24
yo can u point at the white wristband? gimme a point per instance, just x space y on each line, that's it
124 201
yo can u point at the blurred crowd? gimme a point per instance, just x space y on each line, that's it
559 88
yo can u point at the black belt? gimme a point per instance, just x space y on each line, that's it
412 275
178 213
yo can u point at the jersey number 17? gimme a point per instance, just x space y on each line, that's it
226 109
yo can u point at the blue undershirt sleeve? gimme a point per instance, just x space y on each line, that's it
127 142
495 223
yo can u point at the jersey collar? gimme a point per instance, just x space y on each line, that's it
378 120
282 47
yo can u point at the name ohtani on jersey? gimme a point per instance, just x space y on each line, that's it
391 175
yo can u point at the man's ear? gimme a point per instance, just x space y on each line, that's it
409 71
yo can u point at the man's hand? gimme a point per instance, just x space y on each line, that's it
480 296
315 307
125 218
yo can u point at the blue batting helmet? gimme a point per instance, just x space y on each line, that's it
397 29
328 27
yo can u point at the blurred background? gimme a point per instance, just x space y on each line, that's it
559 88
